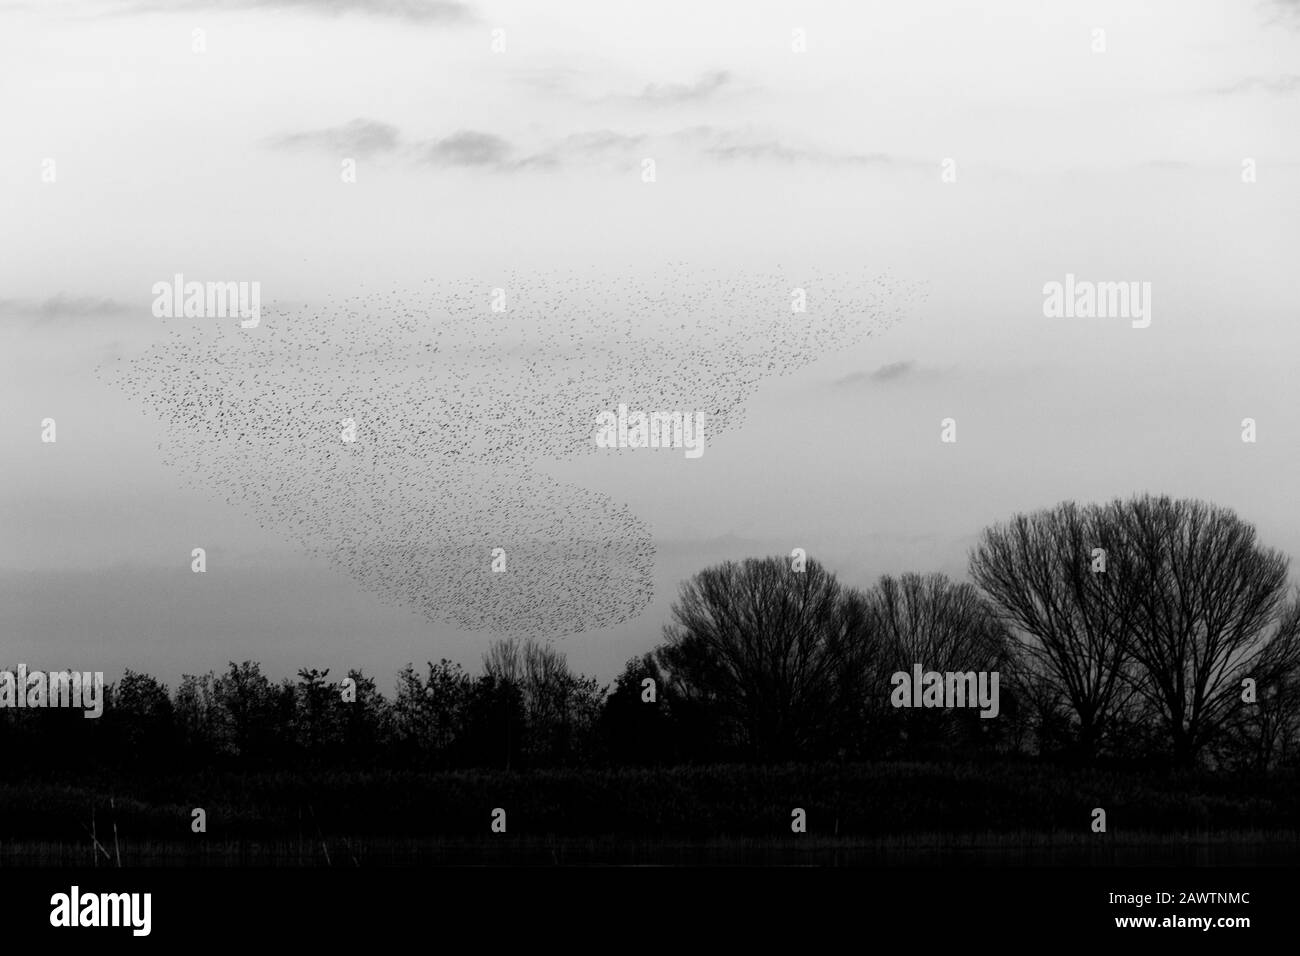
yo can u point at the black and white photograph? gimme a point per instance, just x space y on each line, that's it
680 471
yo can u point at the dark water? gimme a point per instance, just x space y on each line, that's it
504 850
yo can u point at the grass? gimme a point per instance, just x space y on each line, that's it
861 813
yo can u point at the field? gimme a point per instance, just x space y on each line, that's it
856 814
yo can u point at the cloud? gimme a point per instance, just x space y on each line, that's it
63 308
569 83
598 141
772 150
894 370
360 137
479 149
661 94
1284 11
726 144
601 145
708 143
1284 84
469 148
413 11
886 374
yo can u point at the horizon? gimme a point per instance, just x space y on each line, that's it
386 682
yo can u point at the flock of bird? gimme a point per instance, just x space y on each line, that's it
455 409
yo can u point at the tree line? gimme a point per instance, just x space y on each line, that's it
1148 630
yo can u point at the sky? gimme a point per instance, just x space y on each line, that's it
972 154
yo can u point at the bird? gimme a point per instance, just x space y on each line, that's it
455 409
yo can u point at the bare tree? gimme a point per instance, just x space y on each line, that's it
559 707
774 650
1066 586
1210 596
943 626
1275 719
1264 731
503 660
930 620
549 695
503 664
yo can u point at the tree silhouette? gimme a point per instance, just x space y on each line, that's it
141 717
943 626
931 620
1075 625
315 715
771 650
560 709
636 731
1262 734
1209 597
1131 630
248 711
